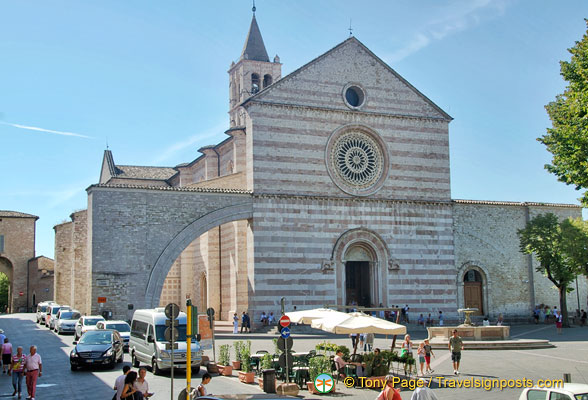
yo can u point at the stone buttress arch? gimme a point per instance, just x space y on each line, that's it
175 247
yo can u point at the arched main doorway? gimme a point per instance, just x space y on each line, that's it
359 263
472 290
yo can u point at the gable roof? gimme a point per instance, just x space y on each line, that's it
326 54
16 214
254 49
136 171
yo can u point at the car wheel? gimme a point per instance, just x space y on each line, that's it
155 368
73 367
134 360
195 370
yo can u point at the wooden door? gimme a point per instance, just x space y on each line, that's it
472 292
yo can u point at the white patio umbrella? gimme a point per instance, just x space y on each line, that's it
357 322
307 316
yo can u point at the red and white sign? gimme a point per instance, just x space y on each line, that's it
21 293
284 321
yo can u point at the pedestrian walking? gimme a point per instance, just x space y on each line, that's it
353 337
129 392
428 354
421 354
16 370
369 341
243 322
235 323
559 323
406 351
119 383
141 384
362 342
583 318
6 356
34 370
388 391
455 346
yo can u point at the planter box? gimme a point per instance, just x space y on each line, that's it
247 377
287 389
236 364
225 370
312 389
212 368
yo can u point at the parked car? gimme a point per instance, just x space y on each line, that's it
55 309
42 311
570 391
148 345
104 347
122 327
65 321
86 323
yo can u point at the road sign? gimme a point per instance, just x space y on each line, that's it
285 333
172 311
168 333
284 321
283 358
210 312
285 344
101 299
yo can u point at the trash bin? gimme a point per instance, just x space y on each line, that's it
269 380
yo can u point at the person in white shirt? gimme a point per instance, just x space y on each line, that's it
141 384
202 387
119 383
34 369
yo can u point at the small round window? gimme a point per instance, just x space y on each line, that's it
354 96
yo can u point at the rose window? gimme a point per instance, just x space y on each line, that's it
357 160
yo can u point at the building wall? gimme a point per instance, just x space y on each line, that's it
486 237
40 280
80 296
19 247
295 235
64 273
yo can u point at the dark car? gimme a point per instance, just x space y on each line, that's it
104 347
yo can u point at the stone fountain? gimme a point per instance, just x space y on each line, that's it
468 312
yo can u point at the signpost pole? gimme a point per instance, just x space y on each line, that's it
189 348
171 311
172 359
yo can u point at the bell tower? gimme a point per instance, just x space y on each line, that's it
252 73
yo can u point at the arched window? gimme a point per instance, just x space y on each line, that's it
254 83
267 80
472 276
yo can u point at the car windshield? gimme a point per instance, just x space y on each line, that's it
96 337
583 396
119 327
54 310
92 321
160 333
42 309
69 315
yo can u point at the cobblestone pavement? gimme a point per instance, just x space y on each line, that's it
58 382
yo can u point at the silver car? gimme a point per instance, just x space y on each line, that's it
65 321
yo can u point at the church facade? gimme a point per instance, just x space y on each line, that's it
332 187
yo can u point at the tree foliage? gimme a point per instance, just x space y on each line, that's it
4 286
560 248
567 139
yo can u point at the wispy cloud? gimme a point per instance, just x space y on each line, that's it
192 141
466 16
56 196
37 129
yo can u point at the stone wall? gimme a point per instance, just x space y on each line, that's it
40 280
64 274
19 248
486 239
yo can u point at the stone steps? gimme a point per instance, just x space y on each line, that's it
509 344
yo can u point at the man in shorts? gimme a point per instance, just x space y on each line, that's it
455 346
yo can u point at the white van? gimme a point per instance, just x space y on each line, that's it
42 311
147 343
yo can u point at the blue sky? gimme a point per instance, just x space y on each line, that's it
150 79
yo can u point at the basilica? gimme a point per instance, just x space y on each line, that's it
332 186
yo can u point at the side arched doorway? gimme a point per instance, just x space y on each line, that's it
472 291
5 284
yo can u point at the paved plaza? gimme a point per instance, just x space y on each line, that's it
58 382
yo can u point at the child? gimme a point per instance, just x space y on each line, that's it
201 388
421 353
428 353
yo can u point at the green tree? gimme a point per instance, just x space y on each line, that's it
4 285
556 245
575 232
567 139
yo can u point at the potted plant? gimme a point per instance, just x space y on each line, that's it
266 362
238 345
316 366
246 375
223 360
